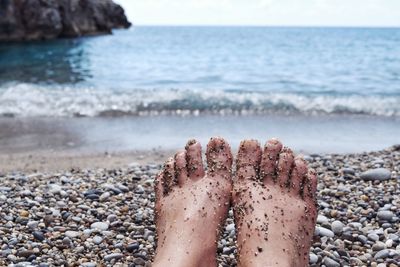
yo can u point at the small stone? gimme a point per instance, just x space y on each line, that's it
313 258
385 215
132 247
373 237
32 224
139 261
139 189
102 226
322 219
97 239
349 171
331 263
379 174
24 213
72 234
230 227
389 243
25 253
113 256
337 227
378 246
55 188
324 232
112 218
38 235
105 196
383 254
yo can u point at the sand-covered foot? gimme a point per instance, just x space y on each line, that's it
274 206
192 205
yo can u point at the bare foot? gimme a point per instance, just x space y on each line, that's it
274 206
192 205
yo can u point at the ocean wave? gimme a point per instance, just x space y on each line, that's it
31 100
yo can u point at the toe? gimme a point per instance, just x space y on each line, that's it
299 175
285 164
180 168
248 160
269 160
219 158
194 160
309 186
159 186
168 176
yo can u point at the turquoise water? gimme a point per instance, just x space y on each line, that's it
213 70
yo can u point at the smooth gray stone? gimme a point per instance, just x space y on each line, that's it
382 254
321 231
97 239
379 174
373 237
113 256
322 219
331 263
313 258
100 226
385 215
72 234
337 227
349 171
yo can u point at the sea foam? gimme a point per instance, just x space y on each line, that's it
32 100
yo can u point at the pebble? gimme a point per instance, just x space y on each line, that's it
102 226
330 263
382 254
324 232
313 258
385 215
38 235
113 256
337 227
72 234
32 224
97 239
373 237
230 227
322 219
379 174
105 196
132 247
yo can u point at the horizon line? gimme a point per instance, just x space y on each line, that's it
266 25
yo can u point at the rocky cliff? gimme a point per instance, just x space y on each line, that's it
48 19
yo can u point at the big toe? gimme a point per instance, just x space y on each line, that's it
219 158
248 160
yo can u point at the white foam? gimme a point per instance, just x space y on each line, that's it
28 100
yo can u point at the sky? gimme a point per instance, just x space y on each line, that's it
264 12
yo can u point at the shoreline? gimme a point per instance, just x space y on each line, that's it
53 161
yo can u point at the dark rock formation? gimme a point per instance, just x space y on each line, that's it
48 19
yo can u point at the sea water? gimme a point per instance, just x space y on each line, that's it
315 74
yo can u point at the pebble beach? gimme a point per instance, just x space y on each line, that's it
104 217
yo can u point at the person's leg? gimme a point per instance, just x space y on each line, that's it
191 205
274 206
